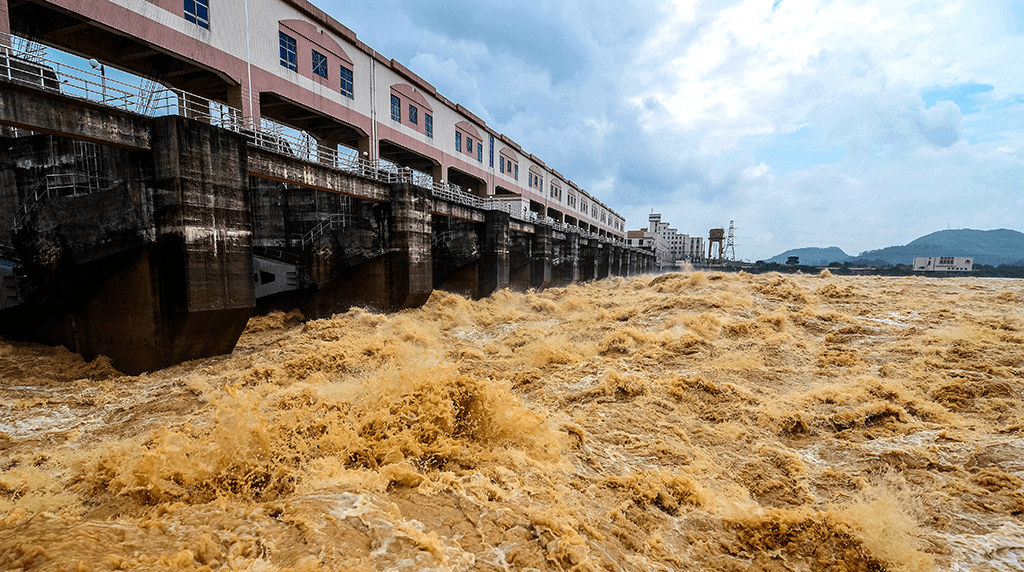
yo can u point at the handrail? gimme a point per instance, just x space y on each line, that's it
327 224
26 65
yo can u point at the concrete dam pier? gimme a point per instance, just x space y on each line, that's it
154 242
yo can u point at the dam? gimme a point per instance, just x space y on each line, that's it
147 222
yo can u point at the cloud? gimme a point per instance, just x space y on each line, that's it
819 122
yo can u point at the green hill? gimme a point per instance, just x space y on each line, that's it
992 247
813 256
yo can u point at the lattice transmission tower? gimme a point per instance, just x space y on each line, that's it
730 243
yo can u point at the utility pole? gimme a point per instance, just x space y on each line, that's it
730 243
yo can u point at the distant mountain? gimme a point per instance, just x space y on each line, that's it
813 256
993 247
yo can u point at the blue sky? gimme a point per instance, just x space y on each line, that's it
810 123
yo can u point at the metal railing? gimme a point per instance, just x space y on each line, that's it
443 237
24 62
57 184
326 225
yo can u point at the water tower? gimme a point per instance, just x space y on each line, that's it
716 236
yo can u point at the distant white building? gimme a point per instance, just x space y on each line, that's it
944 264
682 246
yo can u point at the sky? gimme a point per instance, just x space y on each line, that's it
809 123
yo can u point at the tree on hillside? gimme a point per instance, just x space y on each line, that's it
793 260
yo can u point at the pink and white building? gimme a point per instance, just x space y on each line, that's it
289 61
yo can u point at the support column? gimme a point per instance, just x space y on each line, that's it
588 259
494 260
604 254
540 267
571 252
189 294
632 269
408 271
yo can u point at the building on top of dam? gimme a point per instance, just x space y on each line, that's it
288 61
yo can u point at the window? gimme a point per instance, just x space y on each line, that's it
480 152
945 260
517 173
396 108
198 12
289 59
414 115
492 150
501 164
458 141
469 145
346 83
319 64
428 125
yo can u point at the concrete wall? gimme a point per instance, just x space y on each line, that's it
155 265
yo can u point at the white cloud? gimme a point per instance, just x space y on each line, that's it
672 106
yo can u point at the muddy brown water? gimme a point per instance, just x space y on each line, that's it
687 421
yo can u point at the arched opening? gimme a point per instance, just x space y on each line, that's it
468 183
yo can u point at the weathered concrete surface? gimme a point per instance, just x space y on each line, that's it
494 261
48 111
455 210
186 295
287 169
588 259
604 260
407 262
70 245
542 251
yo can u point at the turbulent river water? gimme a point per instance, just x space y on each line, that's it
688 421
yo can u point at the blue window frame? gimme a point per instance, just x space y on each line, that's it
469 145
428 125
501 164
516 177
492 150
347 86
319 64
198 12
480 153
289 57
414 114
396 108
458 141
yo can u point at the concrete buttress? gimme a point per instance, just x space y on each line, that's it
540 267
408 259
493 272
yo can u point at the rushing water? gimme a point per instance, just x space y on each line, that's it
687 421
